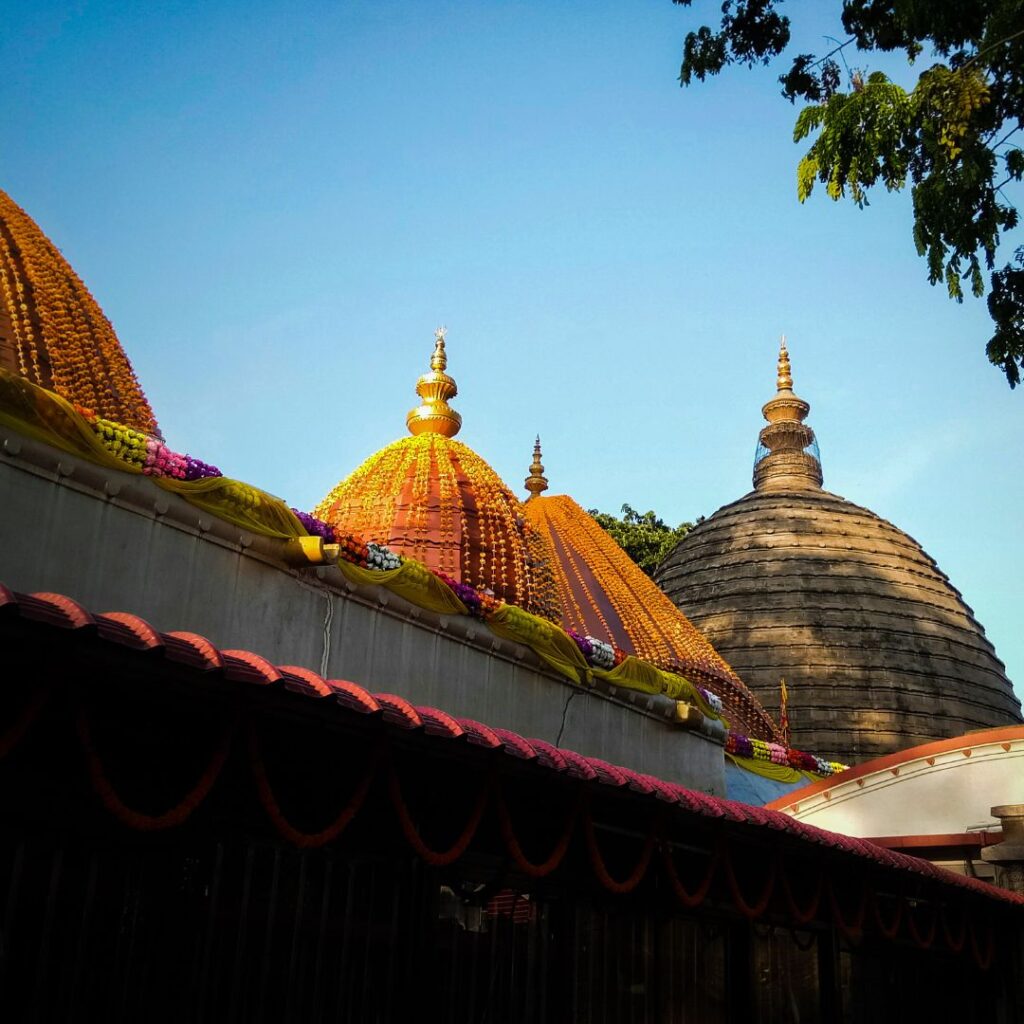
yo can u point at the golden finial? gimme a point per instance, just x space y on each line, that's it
435 415
784 379
536 482
787 452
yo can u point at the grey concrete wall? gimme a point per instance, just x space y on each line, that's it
116 542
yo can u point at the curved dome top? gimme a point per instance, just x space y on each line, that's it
603 593
434 499
877 648
52 331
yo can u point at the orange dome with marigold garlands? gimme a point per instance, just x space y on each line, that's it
432 498
603 593
53 332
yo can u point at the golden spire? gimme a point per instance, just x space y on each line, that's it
784 379
435 415
787 451
536 482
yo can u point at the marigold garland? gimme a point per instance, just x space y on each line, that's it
307 840
889 931
437 858
852 930
923 940
15 733
799 915
176 815
635 877
955 945
691 900
528 867
760 905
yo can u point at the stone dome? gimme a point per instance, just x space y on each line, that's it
604 594
878 649
433 499
52 331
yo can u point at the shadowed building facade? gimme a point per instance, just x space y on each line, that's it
878 649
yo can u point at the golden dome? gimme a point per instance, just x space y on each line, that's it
53 333
434 499
878 649
604 593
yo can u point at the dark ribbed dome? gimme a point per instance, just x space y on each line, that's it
878 649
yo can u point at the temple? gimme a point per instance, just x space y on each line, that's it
435 751
877 648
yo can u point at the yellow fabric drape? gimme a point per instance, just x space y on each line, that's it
411 580
552 644
775 772
634 674
47 417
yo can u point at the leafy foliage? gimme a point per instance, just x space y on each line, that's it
950 136
643 536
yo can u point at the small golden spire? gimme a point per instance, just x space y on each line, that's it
536 482
787 452
435 415
784 380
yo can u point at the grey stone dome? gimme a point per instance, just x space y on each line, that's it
877 647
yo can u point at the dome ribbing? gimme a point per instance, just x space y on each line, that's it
53 333
603 593
878 649
433 499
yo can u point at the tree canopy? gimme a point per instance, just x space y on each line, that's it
951 137
643 536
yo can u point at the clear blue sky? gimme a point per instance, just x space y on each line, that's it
277 203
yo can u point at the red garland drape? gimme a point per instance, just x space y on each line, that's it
176 815
697 897
307 840
798 915
437 858
15 733
760 905
180 812
850 930
528 867
634 878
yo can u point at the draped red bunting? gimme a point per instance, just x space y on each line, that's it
798 915
545 867
635 877
983 960
955 945
694 899
850 930
437 858
760 905
307 840
177 814
721 855
920 940
889 931
15 733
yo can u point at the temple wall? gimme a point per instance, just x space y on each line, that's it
116 542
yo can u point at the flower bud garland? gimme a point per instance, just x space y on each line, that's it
480 604
144 452
602 655
149 455
381 558
713 700
774 753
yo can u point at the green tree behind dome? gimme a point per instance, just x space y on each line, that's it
645 537
951 135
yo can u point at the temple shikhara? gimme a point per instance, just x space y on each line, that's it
439 748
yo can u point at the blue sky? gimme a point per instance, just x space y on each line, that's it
277 203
